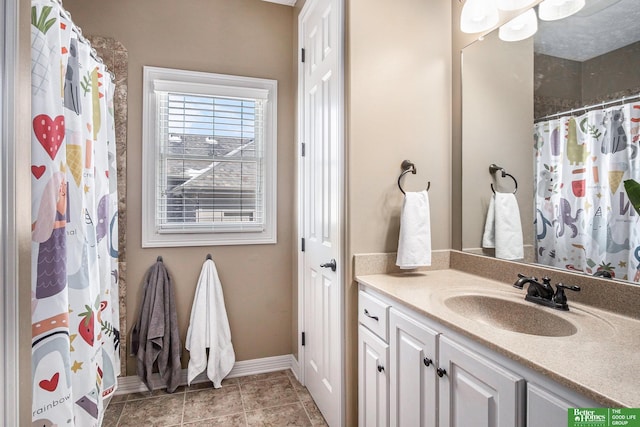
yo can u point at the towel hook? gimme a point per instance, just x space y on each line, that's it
493 168
209 257
407 166
159 259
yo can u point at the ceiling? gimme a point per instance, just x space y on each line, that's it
600 27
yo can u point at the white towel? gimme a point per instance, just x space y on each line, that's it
414 243
209 328
503 230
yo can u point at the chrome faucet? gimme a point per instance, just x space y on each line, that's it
543 293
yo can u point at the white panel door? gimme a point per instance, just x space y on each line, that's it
412 372
476 392
321 194
373 380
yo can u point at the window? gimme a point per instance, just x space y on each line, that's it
209 159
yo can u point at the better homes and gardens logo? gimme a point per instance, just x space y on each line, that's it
603 417
592 417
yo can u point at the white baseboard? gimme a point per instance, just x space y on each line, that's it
295 367
133 384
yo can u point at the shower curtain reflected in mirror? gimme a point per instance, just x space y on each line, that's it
74 298
583 218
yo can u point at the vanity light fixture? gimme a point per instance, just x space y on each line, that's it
478 16
551 10
519 28
513 4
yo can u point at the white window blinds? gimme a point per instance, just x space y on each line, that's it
210 161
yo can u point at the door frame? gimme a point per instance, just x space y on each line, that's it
340 197
11 366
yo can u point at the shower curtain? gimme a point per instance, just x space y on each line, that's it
74 294
584 220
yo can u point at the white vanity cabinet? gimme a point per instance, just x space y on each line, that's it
548 408
412 370
474 391
373 354
373 380
399 379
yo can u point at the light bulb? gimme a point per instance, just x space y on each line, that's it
519 28
551 10
478 16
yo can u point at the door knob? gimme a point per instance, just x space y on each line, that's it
331 264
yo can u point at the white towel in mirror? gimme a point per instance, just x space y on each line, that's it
503 229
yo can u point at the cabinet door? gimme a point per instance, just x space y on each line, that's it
477 392
547 409
373 383
412 395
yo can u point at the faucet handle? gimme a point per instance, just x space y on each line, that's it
560 298
561 286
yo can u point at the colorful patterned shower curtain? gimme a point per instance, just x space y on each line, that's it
584 220
74 294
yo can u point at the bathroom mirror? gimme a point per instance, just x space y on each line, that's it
585 59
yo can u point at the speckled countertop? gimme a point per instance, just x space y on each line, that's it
600 359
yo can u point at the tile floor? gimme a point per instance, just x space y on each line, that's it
272 399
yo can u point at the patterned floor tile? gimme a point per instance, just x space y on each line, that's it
112 414
157 411
208 384
154 393
235 420
119 398
269 399
261 377
287 415
213 402
271 392
314 413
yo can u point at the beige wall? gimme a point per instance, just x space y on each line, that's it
497 104
612 75
242 37
562 84
398 107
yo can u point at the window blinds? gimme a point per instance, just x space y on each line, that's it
210 165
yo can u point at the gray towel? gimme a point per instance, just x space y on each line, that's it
155 339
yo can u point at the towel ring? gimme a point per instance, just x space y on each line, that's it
407 167
494 168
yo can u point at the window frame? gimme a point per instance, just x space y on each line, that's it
155 78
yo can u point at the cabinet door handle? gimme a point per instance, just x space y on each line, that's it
441 372
427 361
380 368
366 313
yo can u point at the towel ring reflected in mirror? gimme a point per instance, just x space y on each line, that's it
407 166
495 168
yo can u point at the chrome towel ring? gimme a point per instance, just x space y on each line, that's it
407 166
493 168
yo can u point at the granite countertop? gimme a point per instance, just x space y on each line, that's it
601 360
